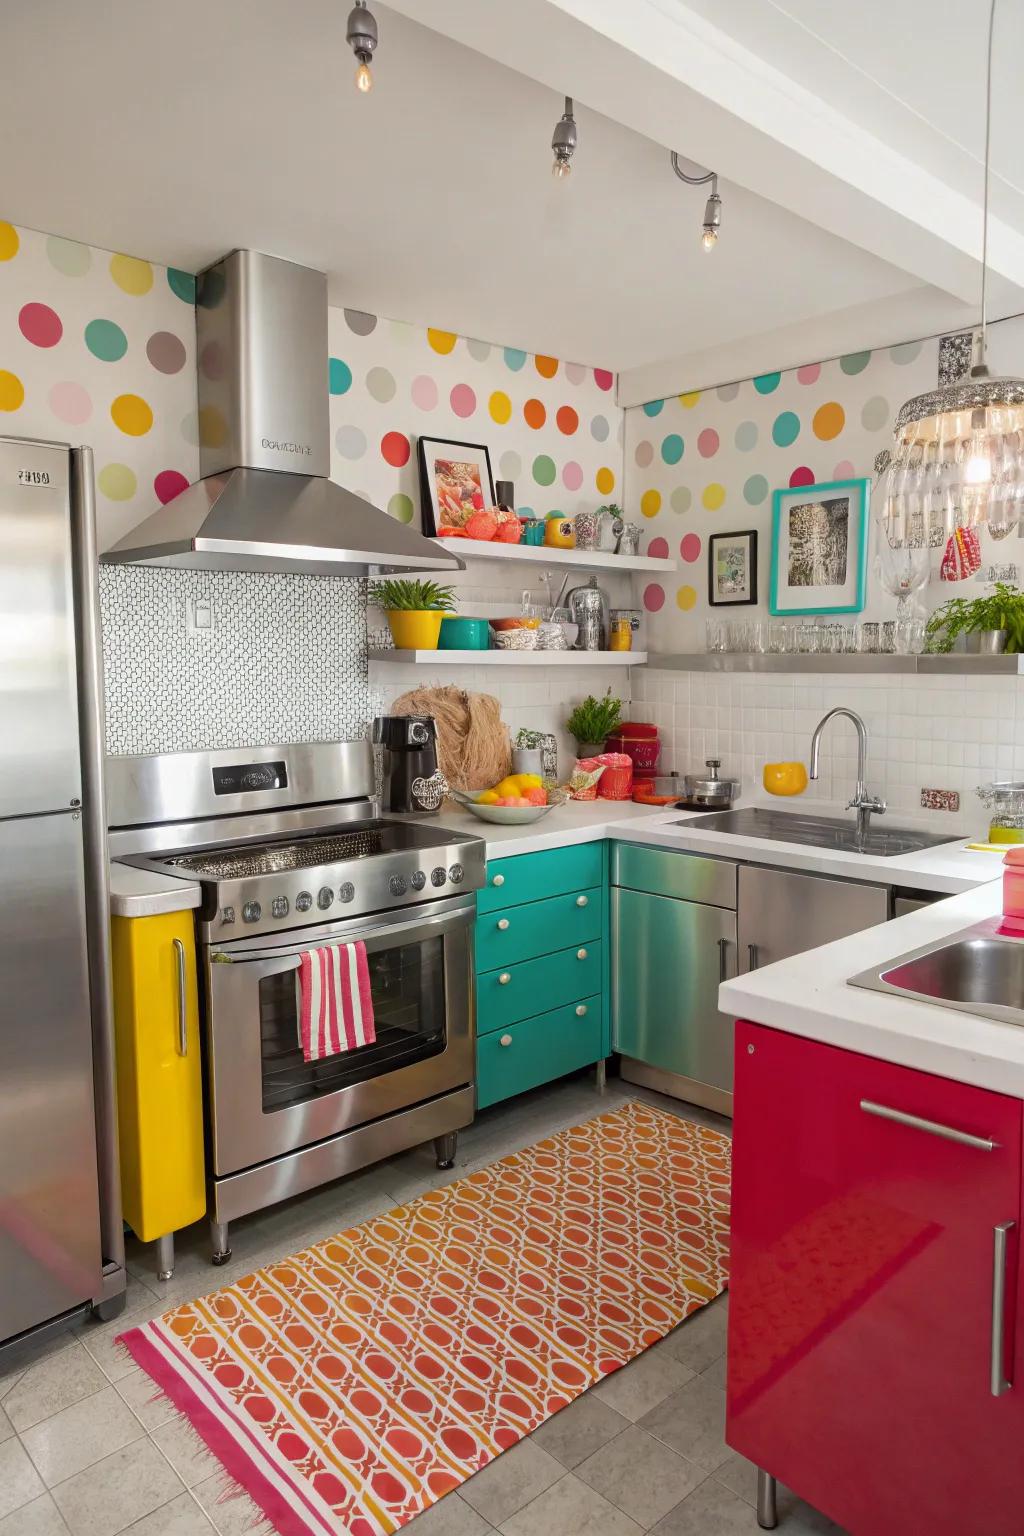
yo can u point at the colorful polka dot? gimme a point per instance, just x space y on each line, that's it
809 373
650 503
510 464
68 257
395 449
767 383
672 448
182 285
400 507
168 484
690 547
381 386
106 340
567 420
906 352
681 499
9 241
658 549
514 358
844 470
547 367
802 475
544 469
534 414
654 597
854 362
572 475
479 351
874 414
131 274
689 400
654 407
785 429
605 480
575 373
686 598
603 378
339 376
70 402
745 436
350 442
211 362
712 496
599 429
727 392
166 352
423 392
499 407
12 391
441 341
755 489
643 453
707 443
360 323
213 428
829 420
462 400
117 482
40 325
131 415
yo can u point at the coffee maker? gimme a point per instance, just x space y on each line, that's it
412 781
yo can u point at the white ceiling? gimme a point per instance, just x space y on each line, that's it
178 132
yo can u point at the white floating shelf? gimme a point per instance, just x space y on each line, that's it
954 664
540 554
513 658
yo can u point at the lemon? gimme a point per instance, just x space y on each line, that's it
508 786
488 797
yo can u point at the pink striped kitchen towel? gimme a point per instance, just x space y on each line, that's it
335 1003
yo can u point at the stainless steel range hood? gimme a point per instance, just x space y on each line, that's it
264 502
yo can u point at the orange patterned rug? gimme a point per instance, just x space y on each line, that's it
349 1387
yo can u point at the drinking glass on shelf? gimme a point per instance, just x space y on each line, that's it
869 641
757 636
888 637
777 641
717 636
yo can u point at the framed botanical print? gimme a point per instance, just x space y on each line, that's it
732 569
820 547
455 482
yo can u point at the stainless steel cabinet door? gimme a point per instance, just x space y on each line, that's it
668 960
781 913
49 1202
40 766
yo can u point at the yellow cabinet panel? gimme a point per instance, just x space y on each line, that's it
159 1076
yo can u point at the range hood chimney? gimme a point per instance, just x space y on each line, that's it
264 502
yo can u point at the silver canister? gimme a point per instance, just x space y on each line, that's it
589 608
629 540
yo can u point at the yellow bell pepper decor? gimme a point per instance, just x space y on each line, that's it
784 778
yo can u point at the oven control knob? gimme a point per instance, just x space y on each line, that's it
418 879
456 873
227 914
324 897
303 901
346 891
438 876
398 885
252 912
280 906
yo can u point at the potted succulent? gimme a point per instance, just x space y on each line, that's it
592 722
991 624
414 610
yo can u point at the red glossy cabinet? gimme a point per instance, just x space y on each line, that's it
875 1290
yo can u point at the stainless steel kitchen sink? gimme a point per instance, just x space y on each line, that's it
975 971
817 831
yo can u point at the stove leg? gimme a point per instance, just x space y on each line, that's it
601 1075
165 1256
767 1518
444 1149
219 1242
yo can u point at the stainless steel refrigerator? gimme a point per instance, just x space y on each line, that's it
61 1244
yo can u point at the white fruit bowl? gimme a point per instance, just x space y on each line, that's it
509 815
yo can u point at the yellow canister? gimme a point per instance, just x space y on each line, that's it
559 531
784 778
621 635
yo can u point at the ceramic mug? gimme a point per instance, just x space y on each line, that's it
608 529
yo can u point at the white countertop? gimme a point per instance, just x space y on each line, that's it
145 893
578 821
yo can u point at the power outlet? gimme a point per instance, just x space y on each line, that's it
200 616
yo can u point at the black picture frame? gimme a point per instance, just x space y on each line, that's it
434 515
715 600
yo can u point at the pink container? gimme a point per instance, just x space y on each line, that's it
1013 890
616 783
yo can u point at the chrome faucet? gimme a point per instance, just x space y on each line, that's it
862 802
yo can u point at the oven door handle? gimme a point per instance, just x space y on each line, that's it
272 962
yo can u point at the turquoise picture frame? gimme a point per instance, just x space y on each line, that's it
784 599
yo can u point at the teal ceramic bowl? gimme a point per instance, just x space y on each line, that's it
462 634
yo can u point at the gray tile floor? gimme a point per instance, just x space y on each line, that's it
87 1448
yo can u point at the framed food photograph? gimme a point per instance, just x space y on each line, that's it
455 482
732 569
820 547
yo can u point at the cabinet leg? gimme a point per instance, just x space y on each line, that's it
165 1256
601 1075
767 1518
445 1148
219 1242
106 1311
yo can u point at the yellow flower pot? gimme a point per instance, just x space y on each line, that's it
415 629
784 778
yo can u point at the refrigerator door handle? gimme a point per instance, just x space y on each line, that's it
179 950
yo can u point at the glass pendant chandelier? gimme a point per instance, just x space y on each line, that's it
958 451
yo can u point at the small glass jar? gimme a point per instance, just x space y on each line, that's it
621 635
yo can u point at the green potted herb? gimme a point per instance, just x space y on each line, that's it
592 722
414 610
992 624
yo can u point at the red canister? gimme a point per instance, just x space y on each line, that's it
638 739
616 783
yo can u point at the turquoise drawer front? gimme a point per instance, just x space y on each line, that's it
536 1050
533 876
504 996
539 928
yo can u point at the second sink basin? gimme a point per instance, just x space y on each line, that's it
975 971
818 831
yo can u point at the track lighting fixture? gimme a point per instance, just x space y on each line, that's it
712 208
563 142
361 36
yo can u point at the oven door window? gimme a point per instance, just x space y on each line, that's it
407 984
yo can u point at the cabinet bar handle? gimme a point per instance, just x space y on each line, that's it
504 979
182 1000
752 957
1000 1248
498 880
931 1127
582 901
723 960
502 923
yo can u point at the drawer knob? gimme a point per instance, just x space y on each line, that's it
504 979
505 1040
498 880
582 901
581 1009
581 954
502 924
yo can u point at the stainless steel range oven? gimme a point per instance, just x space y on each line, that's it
287 870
